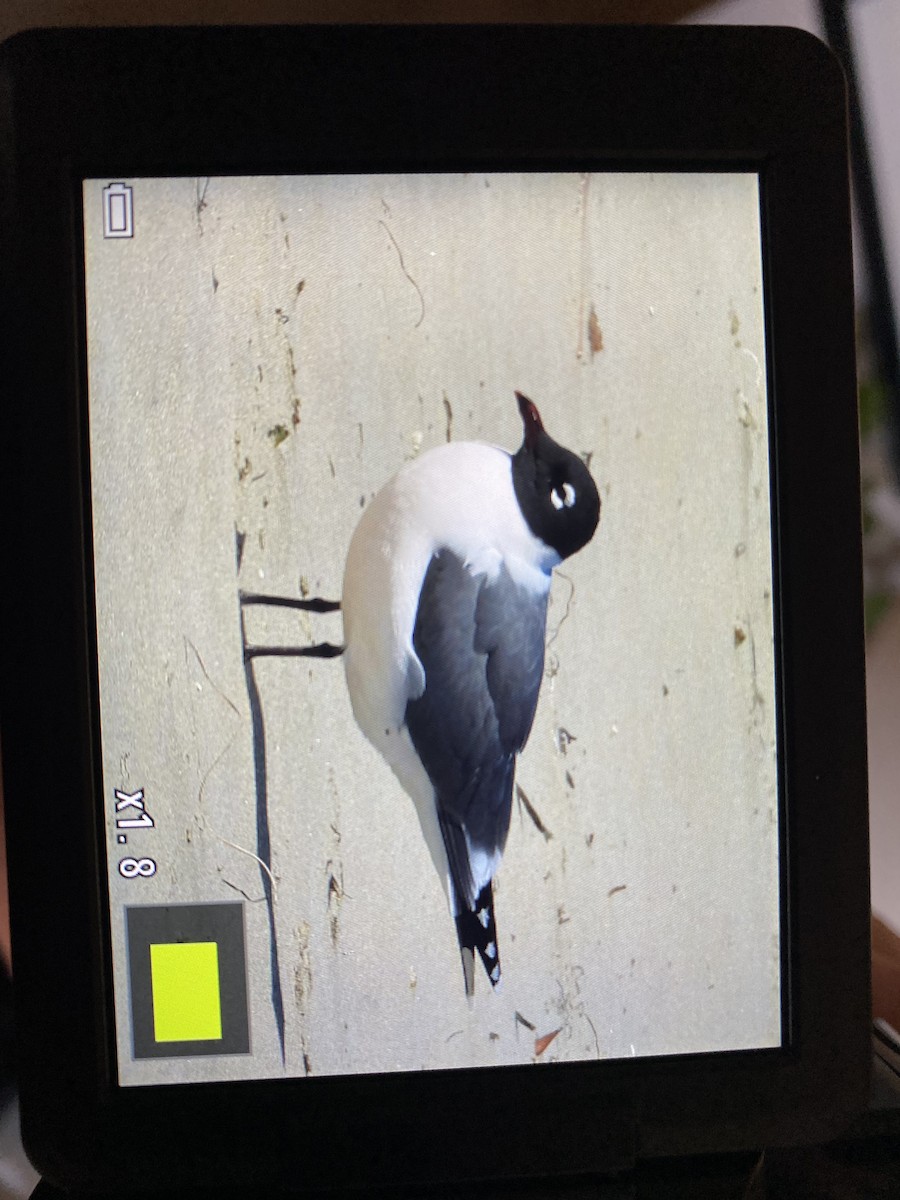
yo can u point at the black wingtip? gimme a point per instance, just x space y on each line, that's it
477 933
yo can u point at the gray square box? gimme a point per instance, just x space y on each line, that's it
173 924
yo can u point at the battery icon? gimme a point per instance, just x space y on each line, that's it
118 211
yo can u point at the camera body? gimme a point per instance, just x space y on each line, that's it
248 312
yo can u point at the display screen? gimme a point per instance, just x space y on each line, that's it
408 760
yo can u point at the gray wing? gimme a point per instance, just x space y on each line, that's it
482 648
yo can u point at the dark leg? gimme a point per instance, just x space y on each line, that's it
320 650
315 605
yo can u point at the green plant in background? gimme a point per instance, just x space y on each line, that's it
872 406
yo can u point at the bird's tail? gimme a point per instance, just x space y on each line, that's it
476 931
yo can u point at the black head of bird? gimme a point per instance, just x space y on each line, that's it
554 488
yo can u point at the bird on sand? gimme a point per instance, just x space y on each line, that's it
444 604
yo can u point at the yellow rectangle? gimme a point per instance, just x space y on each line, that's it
187 1004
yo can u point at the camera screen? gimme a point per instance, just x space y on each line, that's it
432 548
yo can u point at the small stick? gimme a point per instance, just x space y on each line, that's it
533 813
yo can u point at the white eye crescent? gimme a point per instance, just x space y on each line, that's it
566 500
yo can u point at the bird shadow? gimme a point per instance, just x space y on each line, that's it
251 652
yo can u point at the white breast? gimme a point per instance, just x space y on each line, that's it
460 497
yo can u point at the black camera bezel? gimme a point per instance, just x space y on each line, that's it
104 103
